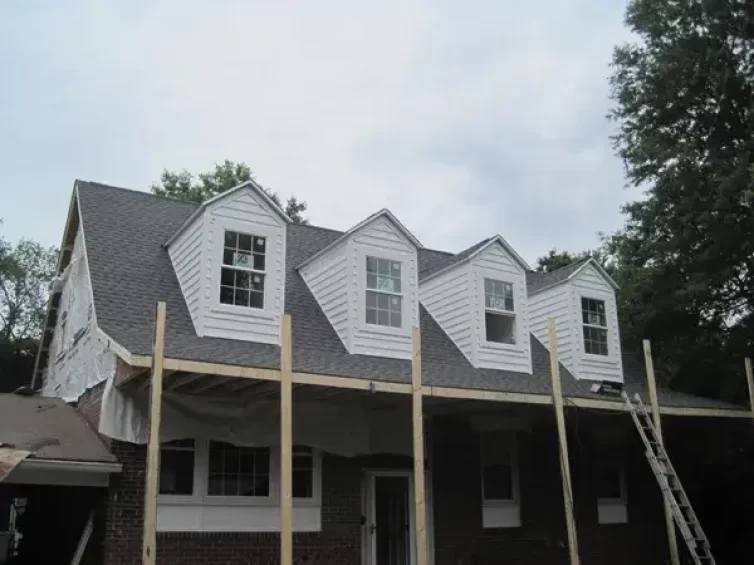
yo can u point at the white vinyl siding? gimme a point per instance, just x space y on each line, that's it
447 297
554 302
186 254
495 263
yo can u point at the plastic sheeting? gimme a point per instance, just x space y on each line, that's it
340 429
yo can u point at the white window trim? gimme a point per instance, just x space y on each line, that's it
515 313
408 315
502 513
216 262
614 510
601 297
260 506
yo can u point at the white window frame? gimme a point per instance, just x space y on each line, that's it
266 508
583 325
264 272
377 291
501 513
271 286
409 313
510 313
614 510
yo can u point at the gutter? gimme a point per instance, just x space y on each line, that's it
69 466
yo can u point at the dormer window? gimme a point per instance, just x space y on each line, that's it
384 299
243 270
595 326
500 312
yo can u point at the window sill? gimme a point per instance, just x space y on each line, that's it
251 501
502 346
259 313
385 330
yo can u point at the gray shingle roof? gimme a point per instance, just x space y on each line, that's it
130 270
438 264
537 280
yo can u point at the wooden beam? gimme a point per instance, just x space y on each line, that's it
675 558
286 443
350 383
565 467
183 380
84 539
420 513
221 370
750 382
149 556
471 394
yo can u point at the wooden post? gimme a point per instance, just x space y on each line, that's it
286 443
655 405
750 381
149 547
418 419
565 469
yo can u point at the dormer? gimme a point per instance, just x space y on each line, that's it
479 298
581 299
366 283
229 258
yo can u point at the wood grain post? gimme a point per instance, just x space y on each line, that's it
420 512
149 547
286 443
750 382
657 421
565 469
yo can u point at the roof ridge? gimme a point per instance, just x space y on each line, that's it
570 265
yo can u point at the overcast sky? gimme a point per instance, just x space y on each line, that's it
466 119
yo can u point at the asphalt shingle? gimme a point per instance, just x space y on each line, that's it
130 270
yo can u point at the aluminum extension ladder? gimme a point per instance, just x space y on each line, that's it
670 484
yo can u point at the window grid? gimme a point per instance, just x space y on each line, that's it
177 467
498 295
242 275
499 316
384 302
498 467
594 319
238 471
303 472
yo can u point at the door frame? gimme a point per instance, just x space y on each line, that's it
368 547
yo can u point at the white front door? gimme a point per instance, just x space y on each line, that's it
389 526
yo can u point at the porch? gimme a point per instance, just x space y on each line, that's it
449 521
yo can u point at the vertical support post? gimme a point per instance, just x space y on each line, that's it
750 381
286 443
149 547
565 469
420 512
656 420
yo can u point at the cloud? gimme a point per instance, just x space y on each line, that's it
466 119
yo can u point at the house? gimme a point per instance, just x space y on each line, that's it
364 306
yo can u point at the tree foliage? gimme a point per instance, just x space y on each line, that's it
684 108
186 186
556 259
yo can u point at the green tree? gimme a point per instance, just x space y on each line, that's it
556 259
185 186
683 105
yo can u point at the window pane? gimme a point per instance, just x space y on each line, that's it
498 482
228 255
302 483
244 242
176 471
395 319
371 265
498 295
371 300
235 470
226 295
395 269
256 300
371 280
242 260
260 244
257 282
383 301
259 262
227 277
383 317
500 328
371 316
241 297
595 340
231 239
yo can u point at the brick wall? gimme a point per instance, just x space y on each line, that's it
459 536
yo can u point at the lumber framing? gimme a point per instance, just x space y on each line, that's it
675 558
149 547
565 467
417 412
129 372
286 443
